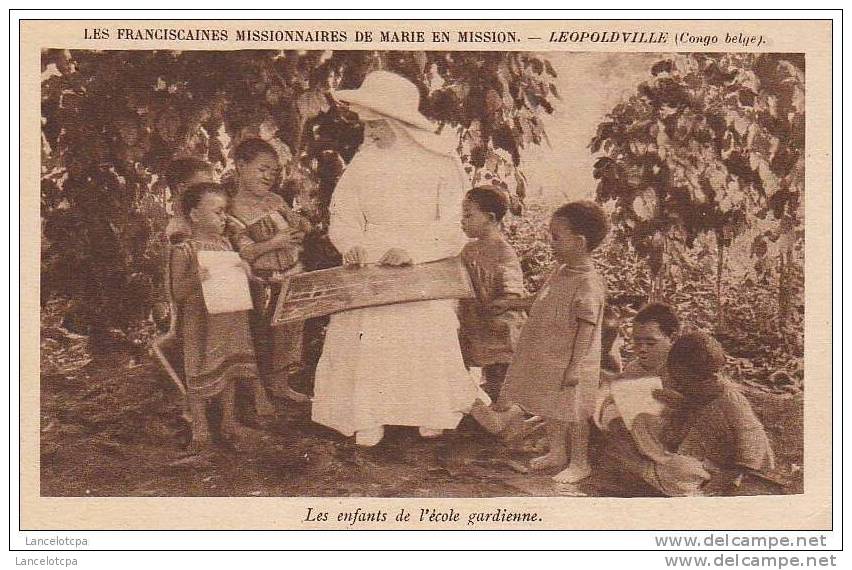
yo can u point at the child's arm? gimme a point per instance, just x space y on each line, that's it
511 294
286 239
184 271
581 346
500 306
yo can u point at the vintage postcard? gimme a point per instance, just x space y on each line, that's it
545 274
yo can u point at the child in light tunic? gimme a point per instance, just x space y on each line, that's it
556 370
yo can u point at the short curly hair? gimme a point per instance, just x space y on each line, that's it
192 196
661 313
489 200
697 353
587 219
251 147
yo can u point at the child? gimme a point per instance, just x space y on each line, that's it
722 430
638 449
181 174
489 340
217 348
268 234
556 370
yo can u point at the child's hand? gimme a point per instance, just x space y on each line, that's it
203 273
395 257
669 397
357 255
287 238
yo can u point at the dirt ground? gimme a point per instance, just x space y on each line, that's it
111 426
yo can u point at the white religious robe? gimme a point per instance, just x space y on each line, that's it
397 364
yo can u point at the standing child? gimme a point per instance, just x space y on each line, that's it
268 234
556 370
488 340
181 174
217 348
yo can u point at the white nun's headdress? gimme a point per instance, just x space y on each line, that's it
386 95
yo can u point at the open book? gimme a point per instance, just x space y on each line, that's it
634 396
227 289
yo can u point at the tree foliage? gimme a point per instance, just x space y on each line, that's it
710 144
113 120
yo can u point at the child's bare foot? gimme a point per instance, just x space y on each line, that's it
493 421
573 474
551 460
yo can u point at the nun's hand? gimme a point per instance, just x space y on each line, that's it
355 256
395 256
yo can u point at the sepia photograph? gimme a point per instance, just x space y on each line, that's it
428 274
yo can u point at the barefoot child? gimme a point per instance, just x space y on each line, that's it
488 336
217 348
556 370
268 234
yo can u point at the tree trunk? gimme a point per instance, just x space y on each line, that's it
720 268
783 292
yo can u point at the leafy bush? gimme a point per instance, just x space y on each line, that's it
113 120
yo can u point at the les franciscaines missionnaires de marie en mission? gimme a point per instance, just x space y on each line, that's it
277 35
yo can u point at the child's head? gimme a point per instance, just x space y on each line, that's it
693 359
483 208
204 205
185 172
655 327
257 166
575 228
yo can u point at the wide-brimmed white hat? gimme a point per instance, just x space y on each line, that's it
387 95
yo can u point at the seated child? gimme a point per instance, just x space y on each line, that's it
181 174
269 235
217 348
655 327
487 339
638 448
556 370
722 430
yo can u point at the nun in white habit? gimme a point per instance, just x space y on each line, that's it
398 202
